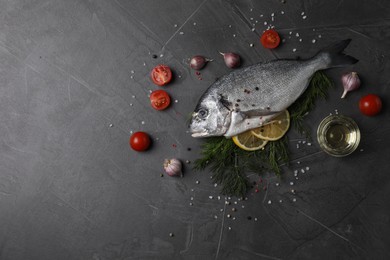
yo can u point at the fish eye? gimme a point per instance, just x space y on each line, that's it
202 113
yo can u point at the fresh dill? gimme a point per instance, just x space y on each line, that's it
230 165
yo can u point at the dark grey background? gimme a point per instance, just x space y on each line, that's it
70 186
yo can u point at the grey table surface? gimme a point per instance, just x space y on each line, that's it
74 84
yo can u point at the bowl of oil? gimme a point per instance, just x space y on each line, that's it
338 135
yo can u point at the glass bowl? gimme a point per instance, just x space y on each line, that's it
338 135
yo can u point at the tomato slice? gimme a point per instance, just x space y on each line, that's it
161 75
160 99
270 39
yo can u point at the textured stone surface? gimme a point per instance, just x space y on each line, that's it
70 186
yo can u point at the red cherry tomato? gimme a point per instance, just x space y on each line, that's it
370 105
160 99
161 75
140 141
270 39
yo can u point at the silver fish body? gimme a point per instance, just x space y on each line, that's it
249 97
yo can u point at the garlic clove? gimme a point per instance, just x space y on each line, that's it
173 167
351 81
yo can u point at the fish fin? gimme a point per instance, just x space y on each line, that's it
336 56
259 112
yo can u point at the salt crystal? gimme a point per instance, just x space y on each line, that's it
181 33
291 183
309 144
304 17
307 168
297 34
303 13
273 14
194 23
175 25
302 171
282 12
265 23
176 100
277 184
300 40
295 171
294 199
143 122
111 125
313 41
269 202
294 50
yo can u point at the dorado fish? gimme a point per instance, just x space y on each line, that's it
250 97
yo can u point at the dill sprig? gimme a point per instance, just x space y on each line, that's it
317 89
230 165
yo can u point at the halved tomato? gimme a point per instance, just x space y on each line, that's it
160 99
270 39
161 75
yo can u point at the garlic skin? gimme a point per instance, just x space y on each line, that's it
173 167
351 81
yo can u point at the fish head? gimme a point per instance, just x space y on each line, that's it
210 118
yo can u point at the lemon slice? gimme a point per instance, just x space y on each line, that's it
249 142
275 129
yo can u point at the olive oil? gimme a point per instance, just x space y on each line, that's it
338 135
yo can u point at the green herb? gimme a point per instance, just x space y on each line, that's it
318 88
230 165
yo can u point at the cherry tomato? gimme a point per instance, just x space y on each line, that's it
370 105
270 39
140 141
160 99
161 75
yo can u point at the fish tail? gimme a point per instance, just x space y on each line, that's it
335 56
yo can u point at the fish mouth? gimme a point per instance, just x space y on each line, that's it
199 134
